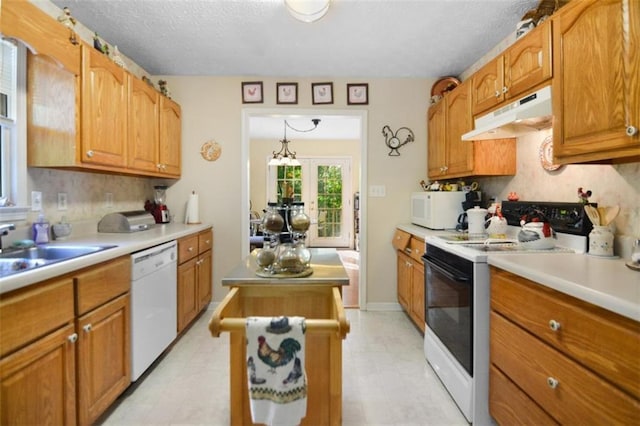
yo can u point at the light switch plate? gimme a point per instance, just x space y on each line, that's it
377 191
62 200
36 201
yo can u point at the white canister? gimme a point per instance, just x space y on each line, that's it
601 241
476 218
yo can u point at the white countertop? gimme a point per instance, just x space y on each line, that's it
126 244
604 282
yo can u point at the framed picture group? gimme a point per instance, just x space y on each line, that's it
321 93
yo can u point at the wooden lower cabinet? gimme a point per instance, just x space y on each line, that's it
38 382
410 277
60 364
195 272
104 359
557 359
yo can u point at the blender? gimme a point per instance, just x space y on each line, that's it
160 210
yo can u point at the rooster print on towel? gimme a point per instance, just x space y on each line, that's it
275 355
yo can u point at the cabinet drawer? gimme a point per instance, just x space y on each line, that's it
401 240
603 341
99 284
34 311
187 248
510 406
417 248
580 396
205 241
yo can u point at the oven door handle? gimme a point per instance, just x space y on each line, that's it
452 275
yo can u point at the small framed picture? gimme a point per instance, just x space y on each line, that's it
252 92
358 94
287 93
322 93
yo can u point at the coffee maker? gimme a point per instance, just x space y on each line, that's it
158 208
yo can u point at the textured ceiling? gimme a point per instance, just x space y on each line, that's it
357 38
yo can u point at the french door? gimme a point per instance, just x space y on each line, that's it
324 186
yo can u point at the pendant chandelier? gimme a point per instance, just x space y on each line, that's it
285 157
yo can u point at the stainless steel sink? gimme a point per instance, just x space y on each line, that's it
15 261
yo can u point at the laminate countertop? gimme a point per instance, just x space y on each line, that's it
604 282
125 244
325 263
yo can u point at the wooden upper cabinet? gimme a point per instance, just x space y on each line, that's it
170 137
528 62
458 122
486 86
105 90
522 67
596 88
144 127
436 156
42 34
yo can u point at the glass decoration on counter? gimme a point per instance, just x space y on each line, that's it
284 253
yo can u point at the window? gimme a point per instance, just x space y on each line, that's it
12 131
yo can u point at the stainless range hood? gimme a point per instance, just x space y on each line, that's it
528 114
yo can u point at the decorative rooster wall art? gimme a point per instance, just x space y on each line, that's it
394 140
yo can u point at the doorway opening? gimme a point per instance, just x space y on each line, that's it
335 124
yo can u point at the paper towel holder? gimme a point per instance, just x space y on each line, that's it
192 216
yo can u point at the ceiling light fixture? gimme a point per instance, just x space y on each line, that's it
307 10
284 157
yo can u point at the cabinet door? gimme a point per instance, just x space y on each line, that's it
205 270
404 280
417 294
143 127
486 86
436 153
596 92
458 122
188 304
528 62
104 360
170 137
104 110
38 384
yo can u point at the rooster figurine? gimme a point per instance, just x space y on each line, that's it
277 358
584 195
394 141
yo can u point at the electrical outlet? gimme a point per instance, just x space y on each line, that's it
108 200
36 201
62 200
377 191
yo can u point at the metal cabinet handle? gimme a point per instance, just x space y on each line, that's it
505 89
632 131
73 338
90 153
87 328
497 93
554 325
552 383
190 249
207 242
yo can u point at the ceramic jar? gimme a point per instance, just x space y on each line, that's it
601 241
476 218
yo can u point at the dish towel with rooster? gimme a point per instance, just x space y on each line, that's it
275 370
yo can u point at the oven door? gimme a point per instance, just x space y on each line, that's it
448 304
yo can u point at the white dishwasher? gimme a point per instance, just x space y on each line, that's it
154 304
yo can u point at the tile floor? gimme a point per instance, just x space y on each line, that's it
386 380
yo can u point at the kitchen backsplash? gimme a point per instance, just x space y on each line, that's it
87 193
609 184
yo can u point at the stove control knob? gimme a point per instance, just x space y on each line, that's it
554 325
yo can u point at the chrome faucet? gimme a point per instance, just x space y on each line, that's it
4 230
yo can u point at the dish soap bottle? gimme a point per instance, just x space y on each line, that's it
41 230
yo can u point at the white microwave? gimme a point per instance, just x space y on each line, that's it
435 209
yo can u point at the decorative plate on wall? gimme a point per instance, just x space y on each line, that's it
211 150
546 154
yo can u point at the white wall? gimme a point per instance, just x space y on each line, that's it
212 110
